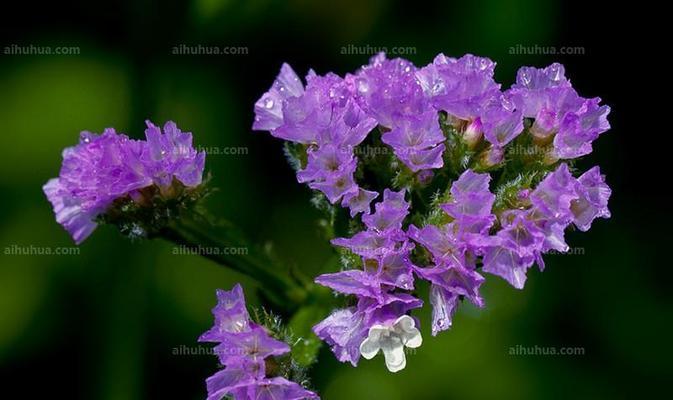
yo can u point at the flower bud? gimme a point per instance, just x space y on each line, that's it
473 133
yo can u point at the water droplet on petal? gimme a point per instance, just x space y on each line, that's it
555 74
363 86
268 103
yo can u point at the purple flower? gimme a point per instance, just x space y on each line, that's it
444 306
441 242
349 127
416 141
337 184
171 155
388 90
455 246
537 88
593 198
369 244
333 115
106 167
501 121
395 268
506 263
325 116
230 314
359 202
234 380
459 86
520 243
547 96
278 388
324 162
344 330
355 282
424 159
243 349
453 273
553 196
578 130
305 116
449 281
269 108
470 206
254 345
70 213
382 307
520 234
389 213
226 383
471 202
526 235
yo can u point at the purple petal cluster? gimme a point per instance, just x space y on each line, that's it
560 114
455 246
507 244
331 115
243 349
106 167
325 117
381 285
526 234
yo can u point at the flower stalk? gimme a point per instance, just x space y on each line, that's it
284 291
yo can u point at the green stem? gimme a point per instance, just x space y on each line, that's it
284 292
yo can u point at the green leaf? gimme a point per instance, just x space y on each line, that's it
306 344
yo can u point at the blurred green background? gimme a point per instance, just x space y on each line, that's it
103 324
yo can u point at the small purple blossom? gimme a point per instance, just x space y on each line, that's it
269 108
231 315
104 168
459 86
578 130
417 140
243 347
501 121
387 89
546 95
592 202
553 196
471 202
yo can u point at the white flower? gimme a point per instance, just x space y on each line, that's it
391 339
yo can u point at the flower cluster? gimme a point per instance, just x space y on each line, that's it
325 117
245 349
538 224
379 319
455 132
332 115
104 168
560 114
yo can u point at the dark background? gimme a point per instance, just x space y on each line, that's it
104 324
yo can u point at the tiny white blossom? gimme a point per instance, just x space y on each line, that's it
391 339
